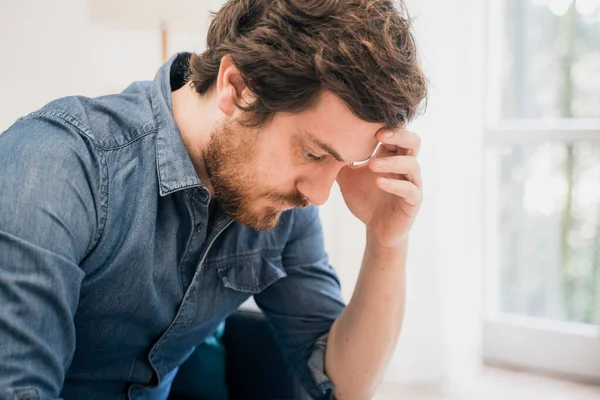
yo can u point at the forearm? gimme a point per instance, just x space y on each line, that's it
363 338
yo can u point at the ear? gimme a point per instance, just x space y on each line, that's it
231 88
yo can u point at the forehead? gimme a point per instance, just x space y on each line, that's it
331 121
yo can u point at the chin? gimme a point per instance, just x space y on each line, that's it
259 218
268 219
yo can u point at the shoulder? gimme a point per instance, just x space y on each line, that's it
44 137
51 182
107 122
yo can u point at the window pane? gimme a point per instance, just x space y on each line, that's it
551 59
548 229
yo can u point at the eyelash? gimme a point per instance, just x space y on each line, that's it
313 157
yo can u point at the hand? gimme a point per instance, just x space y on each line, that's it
386 193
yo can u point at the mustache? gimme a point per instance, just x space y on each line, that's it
296 199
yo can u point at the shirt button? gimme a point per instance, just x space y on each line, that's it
203 195
199 228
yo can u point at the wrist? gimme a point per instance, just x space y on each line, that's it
376 248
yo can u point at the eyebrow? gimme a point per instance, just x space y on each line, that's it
324 146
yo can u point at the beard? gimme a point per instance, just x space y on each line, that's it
231 163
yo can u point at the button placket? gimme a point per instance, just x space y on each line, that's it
198 212
188 305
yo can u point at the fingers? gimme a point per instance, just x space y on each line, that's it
401 148
402 138
411 194
406 166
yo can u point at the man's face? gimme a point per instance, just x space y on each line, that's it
256 174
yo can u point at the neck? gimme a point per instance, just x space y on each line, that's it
195 116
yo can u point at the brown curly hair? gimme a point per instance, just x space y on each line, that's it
289 51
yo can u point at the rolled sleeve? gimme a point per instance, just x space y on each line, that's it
302 307
316 366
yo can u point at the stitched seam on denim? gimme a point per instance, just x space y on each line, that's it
157 366
142 135
185 185
161 186
304 265
85 133
271 253
105 190
260 287
146 130
68 118
164 190
187 250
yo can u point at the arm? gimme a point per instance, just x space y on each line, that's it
362 340
47 224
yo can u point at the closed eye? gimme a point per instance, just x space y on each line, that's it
313 157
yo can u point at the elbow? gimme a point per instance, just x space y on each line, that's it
354 392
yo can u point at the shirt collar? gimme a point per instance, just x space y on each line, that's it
174 166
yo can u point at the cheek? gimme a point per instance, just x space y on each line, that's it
276 175
272 165
276 160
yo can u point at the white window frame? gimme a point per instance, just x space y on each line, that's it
557 348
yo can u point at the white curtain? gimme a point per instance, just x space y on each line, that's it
440 340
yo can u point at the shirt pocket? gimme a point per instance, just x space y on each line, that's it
252 274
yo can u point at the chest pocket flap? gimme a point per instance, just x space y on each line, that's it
251 275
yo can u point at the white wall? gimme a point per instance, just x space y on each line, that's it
39 43
49 49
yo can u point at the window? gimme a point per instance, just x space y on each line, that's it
543 186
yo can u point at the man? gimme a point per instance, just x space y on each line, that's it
131 225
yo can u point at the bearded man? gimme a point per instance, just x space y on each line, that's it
132 225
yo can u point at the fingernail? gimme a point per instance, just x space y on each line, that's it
389 134
379 163
384 181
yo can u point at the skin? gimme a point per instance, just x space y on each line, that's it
270 169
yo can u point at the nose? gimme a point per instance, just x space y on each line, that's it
317 187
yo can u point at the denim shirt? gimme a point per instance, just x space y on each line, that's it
110 272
